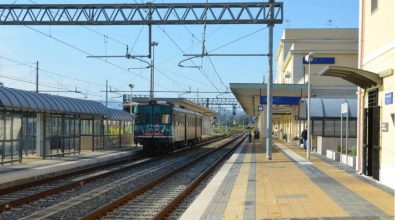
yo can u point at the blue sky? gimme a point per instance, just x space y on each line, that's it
67 68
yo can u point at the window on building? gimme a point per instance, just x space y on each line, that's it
373 5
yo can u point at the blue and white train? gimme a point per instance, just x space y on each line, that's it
164 127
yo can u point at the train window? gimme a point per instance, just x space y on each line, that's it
166 119
139 118
156 118
147 118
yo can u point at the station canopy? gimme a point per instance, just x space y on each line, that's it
325 108
120 115
251 95
361 78
180 102
20 100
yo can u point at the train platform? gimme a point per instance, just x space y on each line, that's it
250 187
37 168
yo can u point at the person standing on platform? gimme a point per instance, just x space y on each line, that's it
249 136
304 138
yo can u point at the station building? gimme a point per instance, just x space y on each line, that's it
331 47
47 125
376 81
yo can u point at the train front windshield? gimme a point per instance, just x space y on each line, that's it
153 114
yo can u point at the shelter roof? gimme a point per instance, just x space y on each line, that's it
121 115
359 77
324 108
248 95
15 99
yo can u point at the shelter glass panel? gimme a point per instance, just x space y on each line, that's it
2 130
86 127
98 142
11 128
338 127
329 128
8 123
317 127
62 137
128 127
353 128
28 135
113 132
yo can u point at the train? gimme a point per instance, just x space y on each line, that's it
164 127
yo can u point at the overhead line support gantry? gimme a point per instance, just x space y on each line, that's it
269 13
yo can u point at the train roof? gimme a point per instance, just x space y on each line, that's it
182 102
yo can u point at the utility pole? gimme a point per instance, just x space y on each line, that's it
37 76
106 92
269 87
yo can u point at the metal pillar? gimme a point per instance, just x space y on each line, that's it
309 58
269 88
151 93
308 113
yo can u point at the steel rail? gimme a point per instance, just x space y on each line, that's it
68 186
130 195
177 200
69 174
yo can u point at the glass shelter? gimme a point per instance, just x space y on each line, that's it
46 125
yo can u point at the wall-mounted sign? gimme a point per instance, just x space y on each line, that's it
384 127
321 60
389 98
344 108
281 100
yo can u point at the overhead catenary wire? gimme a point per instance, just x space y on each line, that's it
44 70
89 54
179 48
32 66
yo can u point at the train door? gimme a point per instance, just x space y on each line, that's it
371 140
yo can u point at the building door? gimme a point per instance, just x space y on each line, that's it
371 148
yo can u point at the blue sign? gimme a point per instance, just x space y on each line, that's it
281 100
321 60
389 98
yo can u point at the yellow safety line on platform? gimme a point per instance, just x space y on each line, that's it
284 191
374 195
235 207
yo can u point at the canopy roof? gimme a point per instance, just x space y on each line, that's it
361 78
120 115
326 108
15 99
249 95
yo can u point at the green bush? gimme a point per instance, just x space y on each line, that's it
354 151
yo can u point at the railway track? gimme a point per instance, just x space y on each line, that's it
41 194
157 199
